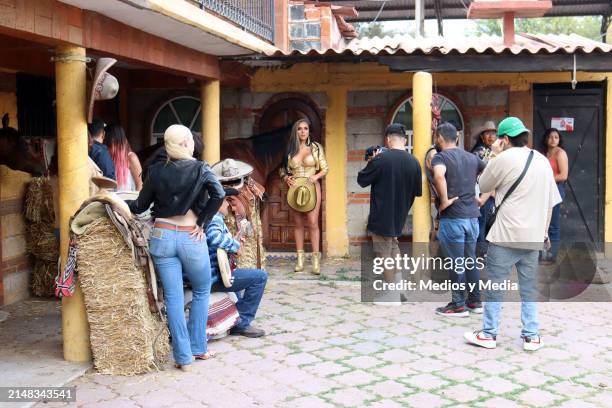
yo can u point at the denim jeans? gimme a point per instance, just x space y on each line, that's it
175 253
253 281
485 213
499 264
554 230
458 238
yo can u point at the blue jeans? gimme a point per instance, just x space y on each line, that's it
253 281
554 229
499 264
175 253
458 238
485 213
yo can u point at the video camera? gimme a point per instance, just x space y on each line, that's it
370 151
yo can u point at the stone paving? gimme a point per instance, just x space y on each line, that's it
325 348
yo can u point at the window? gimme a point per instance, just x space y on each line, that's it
183 110
448 113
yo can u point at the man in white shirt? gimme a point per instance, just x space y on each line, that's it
519 231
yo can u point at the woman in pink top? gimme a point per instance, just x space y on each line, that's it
127 166
552 147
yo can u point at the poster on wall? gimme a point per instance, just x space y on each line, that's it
562 124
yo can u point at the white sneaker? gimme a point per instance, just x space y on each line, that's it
391 298
532 343
479 338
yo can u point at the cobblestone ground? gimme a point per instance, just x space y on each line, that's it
325 348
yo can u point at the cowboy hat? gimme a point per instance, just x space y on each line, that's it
104 86
488 125
104 182
232 170
302 195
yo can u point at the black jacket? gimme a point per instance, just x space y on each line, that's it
177 186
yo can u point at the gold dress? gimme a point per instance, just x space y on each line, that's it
311 165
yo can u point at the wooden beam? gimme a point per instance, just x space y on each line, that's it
594 62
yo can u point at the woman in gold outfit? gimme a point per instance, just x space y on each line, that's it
305 159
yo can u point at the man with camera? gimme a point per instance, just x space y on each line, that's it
395 179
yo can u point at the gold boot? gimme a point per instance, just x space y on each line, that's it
316 263
299 266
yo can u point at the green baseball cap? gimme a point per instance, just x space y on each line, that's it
511 127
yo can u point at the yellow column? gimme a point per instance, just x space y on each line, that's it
421 141
211 121
335 181
608 179
73 183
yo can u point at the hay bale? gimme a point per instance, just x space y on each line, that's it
43 278
41 242
39 201
126 339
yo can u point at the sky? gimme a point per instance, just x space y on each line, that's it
459 28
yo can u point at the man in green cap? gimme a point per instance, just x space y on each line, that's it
523 181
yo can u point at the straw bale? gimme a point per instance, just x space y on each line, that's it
41 242
43 278
126 339
39 201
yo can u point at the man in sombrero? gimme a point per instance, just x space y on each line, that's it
251 281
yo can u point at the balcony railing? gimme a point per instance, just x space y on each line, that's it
254 16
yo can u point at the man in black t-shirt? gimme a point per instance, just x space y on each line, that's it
395 179
455 174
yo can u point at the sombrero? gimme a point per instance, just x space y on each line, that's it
229 170
104 86
104 182
488 125
302 195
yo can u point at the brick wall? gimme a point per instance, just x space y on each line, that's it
14 269
368 112
312 27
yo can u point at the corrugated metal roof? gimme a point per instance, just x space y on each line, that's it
405 45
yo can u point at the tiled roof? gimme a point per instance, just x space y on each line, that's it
406 45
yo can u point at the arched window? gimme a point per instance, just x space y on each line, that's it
448 113
182 110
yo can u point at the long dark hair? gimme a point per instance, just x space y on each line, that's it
293 146
544 141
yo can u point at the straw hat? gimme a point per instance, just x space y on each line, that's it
104 182
231 170
302 195
488 125
104 86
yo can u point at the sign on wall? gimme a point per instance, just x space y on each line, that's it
563 124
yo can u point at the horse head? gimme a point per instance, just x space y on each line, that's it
15 152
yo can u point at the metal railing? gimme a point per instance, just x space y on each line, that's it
254 16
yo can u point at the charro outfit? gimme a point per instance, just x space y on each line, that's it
311 165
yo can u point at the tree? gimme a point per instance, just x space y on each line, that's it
587 26
371 30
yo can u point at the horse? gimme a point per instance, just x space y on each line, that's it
15 152
264 152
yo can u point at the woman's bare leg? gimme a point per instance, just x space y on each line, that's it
313 223
298 231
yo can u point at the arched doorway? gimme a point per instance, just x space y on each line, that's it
277 222
449 112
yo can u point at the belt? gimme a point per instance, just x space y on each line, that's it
164 225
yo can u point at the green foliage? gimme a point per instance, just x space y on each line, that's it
587 26
371 30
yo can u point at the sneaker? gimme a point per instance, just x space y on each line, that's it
480 338
451 310
390 298
248 331
474 307
532 343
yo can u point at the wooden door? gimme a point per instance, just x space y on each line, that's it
276 219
